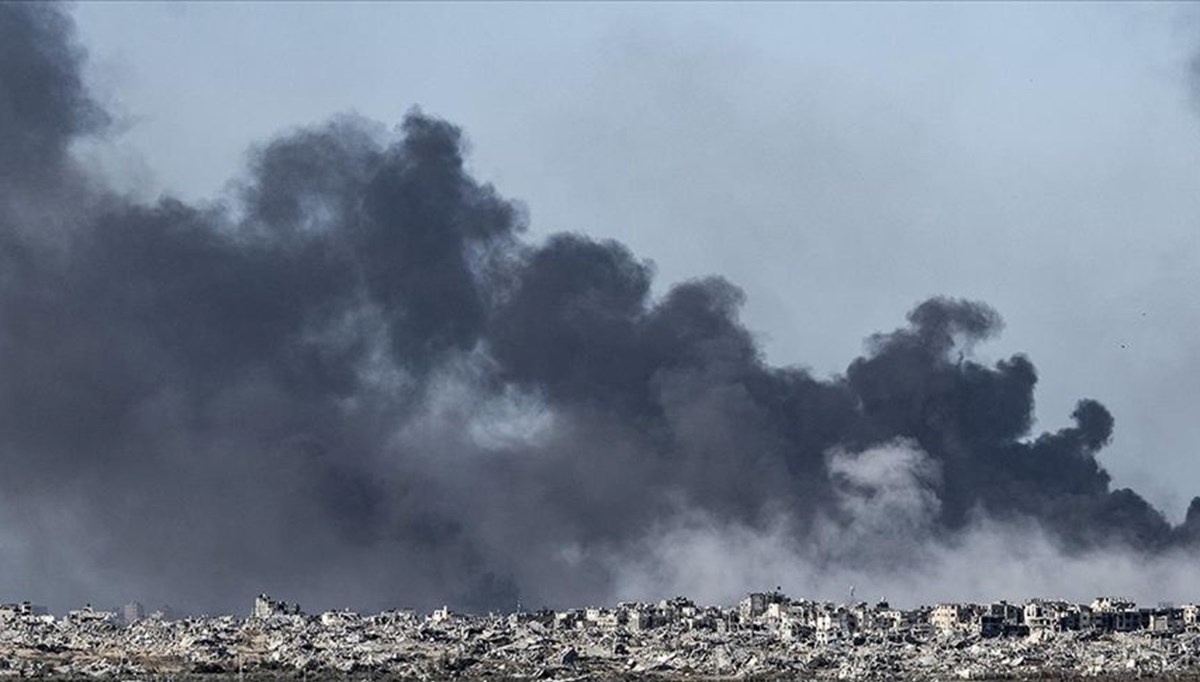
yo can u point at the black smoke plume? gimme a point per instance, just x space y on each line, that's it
355 383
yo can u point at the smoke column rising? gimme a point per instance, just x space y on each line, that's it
353 382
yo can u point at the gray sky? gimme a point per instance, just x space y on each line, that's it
839 162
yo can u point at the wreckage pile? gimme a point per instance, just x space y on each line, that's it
671 639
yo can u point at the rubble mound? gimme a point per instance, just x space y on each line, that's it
766 637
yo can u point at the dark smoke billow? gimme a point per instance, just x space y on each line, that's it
356 384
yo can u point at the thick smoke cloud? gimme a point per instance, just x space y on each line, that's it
354 383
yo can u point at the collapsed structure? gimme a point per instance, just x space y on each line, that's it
767 634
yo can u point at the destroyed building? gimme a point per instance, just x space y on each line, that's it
768 634
89 615
265 607
21 610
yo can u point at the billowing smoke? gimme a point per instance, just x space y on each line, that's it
353 382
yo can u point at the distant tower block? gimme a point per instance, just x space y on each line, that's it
133 612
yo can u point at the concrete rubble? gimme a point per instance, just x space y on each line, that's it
768 635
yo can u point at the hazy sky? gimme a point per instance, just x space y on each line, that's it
839 162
